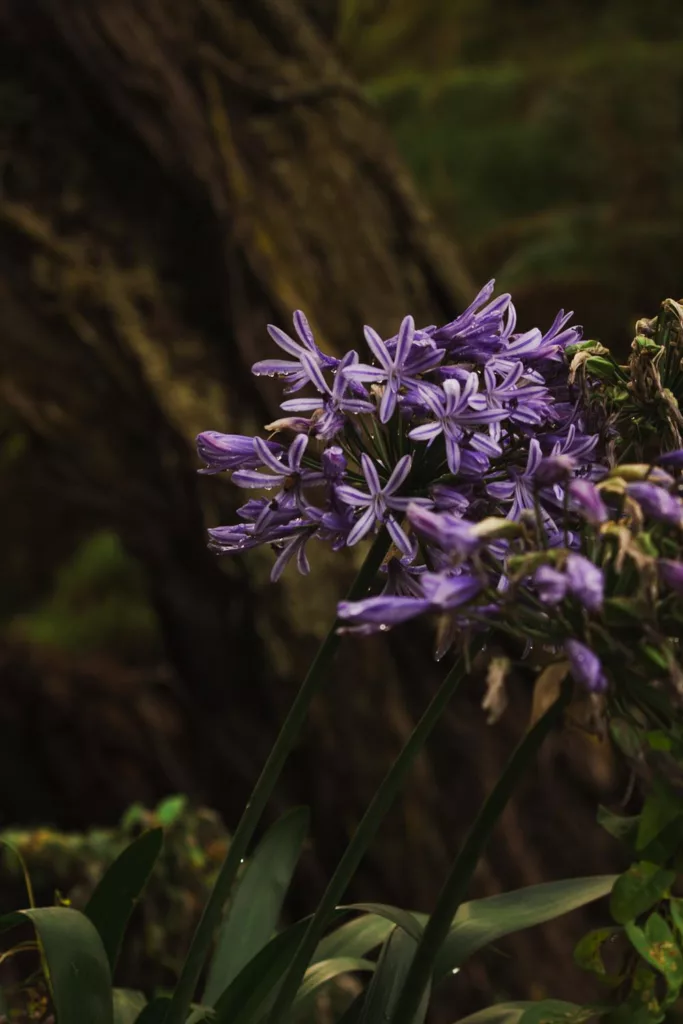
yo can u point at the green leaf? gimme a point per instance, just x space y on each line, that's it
128 1005
113 901
638 889
657 945
588 954
642 1000
253 914
249 994
392 967
355 938
676 908
200 1014
661 808
170 809
481 922
556 1011
500 1013
321 974
619 826
626 737
79 975
155 1011
403 918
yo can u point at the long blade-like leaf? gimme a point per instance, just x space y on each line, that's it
79 975
481 922
112 903
403 918
254 913
155 1011
355 938
128 1005
254 986
501 1013
323 973
392 968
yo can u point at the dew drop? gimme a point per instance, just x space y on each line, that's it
456 970
384 628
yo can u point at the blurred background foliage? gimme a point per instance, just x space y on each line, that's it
547 138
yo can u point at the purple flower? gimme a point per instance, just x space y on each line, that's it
394 369
671 574
445 592
658 503
585 499
527 404
287 475
295 372
378 502
293 547
403 579
243 536
333 463
519 491
674 460
452 416
585 666
576 445
447 531
333 409
554 468
441 593
230 451
551 584
536 346
586 582
382 611
447 498
476 333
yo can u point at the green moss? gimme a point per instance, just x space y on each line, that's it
98 605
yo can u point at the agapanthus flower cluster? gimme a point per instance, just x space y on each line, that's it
467 443
469 418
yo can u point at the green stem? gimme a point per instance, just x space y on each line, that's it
363 836
201 942
457 883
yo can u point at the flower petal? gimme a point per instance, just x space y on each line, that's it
399 474
405 340
284 341
370 474
378 347
361 527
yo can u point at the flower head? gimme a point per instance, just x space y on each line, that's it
585 666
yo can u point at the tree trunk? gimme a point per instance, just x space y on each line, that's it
174 177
